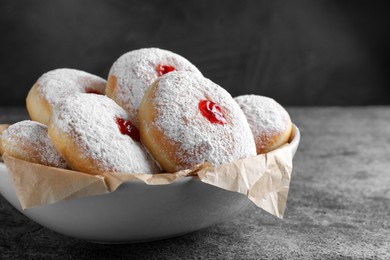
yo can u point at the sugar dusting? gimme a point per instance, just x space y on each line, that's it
265 116
136 71
60 83
176 99
31 139
91 121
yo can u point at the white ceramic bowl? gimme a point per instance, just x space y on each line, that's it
136 211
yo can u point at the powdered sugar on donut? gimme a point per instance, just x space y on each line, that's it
265 116
60 83
30 139
90 120
136 70
177 100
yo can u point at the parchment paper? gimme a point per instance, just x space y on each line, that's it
264 179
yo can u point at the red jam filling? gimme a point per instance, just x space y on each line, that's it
92 91
212 112
164 69
127 128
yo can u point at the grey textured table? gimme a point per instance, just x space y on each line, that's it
338 205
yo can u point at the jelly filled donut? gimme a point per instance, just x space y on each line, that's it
135 71
269 121
2 129
57 84
29 141
186 119
94 135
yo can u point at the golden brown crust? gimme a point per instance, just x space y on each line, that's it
3 127
71 151
28 140
265 144
57 84
111 85
161 119
87 131
149 133
29 154
270 123
38 108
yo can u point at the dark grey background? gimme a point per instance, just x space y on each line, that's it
298 52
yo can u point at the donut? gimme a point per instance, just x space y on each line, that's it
28 140
3 127
133 72
186 119
95 135
269 121
57 84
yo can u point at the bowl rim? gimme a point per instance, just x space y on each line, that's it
295 136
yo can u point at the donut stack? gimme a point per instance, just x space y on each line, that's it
155 113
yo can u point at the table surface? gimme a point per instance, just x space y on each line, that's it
338 205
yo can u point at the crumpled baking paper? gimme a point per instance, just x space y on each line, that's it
264 179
